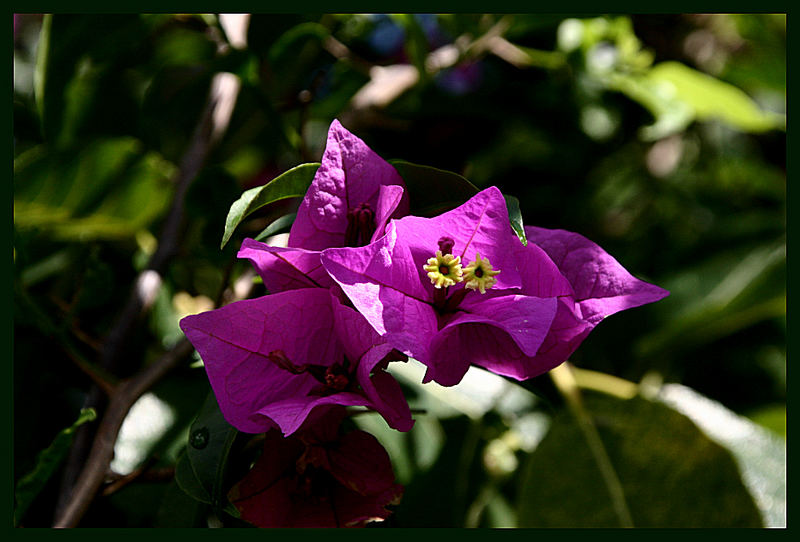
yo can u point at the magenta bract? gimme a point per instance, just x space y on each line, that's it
353 194
273 360
514 328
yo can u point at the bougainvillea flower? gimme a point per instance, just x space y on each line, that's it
353 195
601 287
275 359
318 478
394 283
283 268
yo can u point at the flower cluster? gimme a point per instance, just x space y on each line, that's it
362 284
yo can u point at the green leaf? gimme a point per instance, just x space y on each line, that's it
47 462
719 298
676 95
109 188
291 184
671 473
177 509
431 190
760 454
671 114
210 441
188 481
712 98
75 55
416 44
515 216
277 226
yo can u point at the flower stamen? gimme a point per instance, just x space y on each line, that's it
444 269
479 274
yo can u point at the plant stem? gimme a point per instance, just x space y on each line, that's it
564 379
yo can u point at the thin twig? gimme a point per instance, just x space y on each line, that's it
118 482
565 382
102 452
211 126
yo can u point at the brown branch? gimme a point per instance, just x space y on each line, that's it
211 126
102 451
117 481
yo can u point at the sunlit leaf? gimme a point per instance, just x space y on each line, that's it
712 98
515 216
48 461
291 184
110 188
677 95
671 473
760 454
671 114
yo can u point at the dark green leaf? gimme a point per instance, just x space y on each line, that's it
48 461
210 441
177 509
431 190
515 216
76 88
189 482
760 454
291 184
671 473
277 226
440 496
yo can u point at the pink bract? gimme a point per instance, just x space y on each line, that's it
525 325
275 359
353 195
351 175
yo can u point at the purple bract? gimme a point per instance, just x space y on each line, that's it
275 359
543 302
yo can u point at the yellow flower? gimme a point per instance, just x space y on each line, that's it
479 275
444 270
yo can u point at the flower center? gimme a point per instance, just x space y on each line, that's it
335 378
360 226
479 275
443 269
332 379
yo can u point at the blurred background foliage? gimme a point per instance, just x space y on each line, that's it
662 138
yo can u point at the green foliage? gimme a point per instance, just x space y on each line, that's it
201 471
111 188
292 184
47 463
660 137
662 460
515 216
